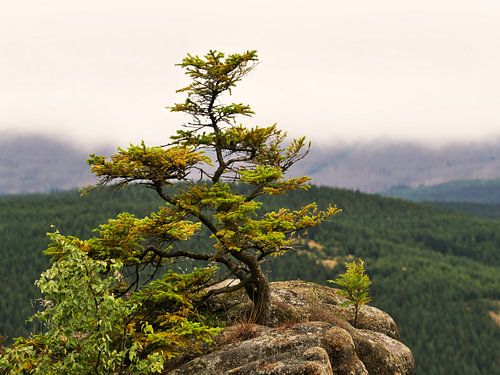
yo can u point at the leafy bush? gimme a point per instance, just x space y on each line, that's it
87 327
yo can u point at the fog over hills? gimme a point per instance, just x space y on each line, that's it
34 163
378 166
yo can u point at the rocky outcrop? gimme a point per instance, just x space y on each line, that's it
310 334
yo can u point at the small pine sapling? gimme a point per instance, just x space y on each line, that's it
354 284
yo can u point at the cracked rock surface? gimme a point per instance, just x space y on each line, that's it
310 334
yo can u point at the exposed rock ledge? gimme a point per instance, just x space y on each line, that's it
311 334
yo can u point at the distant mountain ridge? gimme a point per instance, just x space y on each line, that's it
378 166
35 163
471 191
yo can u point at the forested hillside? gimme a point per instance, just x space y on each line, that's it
437 272
471 191
485 210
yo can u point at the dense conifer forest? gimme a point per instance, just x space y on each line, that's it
436 271
471 191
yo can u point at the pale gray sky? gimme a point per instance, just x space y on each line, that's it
103 70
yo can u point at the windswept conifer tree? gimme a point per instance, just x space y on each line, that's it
211 175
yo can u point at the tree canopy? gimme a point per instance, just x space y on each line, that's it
225 168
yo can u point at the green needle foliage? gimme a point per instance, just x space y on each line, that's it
225 168
354 284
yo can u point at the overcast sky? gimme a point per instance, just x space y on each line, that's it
103 71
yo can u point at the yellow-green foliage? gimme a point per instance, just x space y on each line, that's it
354 285
146 163
224 167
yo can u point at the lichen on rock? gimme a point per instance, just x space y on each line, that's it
310 334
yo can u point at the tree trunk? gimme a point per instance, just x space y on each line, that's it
356 311
260 295
258 289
